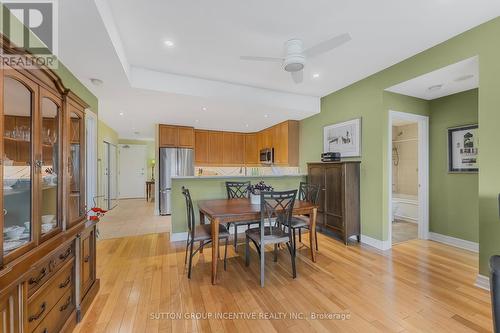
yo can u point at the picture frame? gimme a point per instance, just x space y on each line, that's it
343 138
463 149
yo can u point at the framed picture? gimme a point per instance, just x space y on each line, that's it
343 138
463 149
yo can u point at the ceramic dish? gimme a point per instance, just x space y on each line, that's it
47 219
13 232
10 245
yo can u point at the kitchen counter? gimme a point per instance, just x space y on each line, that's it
237 176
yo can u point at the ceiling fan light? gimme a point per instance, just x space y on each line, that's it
294 67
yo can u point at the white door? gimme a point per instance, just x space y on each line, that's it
132 171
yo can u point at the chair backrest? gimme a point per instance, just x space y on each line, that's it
237 190
277 206
309 192
190 210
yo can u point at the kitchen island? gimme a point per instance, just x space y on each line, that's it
214 187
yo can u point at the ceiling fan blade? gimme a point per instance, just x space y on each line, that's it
297 77
266 59
327 45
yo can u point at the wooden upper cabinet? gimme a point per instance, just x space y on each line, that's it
186 137
251 148
201 147
228 148
169 136
176 136
215 147
286 143
239 149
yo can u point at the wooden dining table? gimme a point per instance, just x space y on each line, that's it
235 210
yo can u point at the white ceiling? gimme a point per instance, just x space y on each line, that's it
121 43
452 79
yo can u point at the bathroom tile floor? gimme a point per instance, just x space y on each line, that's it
403 231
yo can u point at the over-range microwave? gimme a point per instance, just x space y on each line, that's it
267 156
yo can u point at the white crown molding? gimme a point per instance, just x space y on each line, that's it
482 282
376 243
456 242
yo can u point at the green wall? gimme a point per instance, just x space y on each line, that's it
454 208
215 188
150 146
367 99
68 79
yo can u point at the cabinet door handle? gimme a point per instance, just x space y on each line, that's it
40 276
86 259
65 283
65 305
66 254
39 314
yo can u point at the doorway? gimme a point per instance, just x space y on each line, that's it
109 183
132 173
408 163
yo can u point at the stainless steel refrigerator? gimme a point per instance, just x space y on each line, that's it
173 162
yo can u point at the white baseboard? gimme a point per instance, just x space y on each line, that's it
482 282
457 242
405 218
376 243
178 236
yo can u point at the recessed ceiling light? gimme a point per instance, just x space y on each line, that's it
464 77
204 108
196 121
435 87
169 43
246 125
96 82
121 113
266 116
315 75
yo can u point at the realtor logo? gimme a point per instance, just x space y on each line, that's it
32 26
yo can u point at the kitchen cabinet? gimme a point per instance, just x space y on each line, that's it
233 149
286 143
176 136
239 149
251 149
339 206
42 197
215 147
201 147
186 137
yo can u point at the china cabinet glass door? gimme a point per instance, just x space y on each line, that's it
50 219
17 161
76 176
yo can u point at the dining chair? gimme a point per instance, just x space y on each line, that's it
238 190
200 233
276 209
309 193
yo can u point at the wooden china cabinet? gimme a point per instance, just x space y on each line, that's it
47 247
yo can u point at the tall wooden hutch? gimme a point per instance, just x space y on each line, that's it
47 247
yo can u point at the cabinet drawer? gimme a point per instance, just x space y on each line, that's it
334 221
58 315
49 294
48 267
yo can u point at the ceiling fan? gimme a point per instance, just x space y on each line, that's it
295 58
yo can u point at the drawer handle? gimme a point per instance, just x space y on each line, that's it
65 305
86 259
39 314
40 276
65 283
66 254
52 265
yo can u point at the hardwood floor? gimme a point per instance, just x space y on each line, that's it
403 231
421 286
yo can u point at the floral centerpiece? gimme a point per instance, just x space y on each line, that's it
97 214
255 191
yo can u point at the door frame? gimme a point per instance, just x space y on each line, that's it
119 148
423 172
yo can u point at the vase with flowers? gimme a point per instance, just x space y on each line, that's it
256 190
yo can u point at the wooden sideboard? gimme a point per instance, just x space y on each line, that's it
48 268
339 206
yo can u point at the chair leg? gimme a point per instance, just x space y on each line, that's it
316 238
190 259
292 257
300 235
294 247
247 251
187 247
262 264
235 238
225 253
275 252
